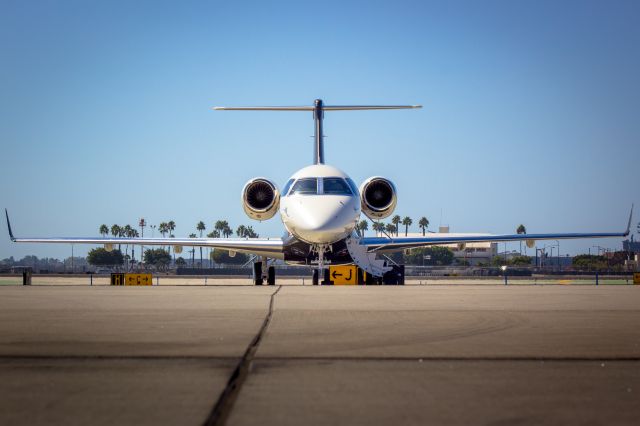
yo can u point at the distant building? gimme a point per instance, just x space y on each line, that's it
473 253
554 261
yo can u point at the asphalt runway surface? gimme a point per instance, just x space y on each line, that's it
485 354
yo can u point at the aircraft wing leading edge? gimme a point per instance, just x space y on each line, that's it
272 247
392 244
399 243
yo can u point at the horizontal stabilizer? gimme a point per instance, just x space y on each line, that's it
312 108
318 109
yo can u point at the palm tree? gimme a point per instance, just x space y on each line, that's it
115 231
163 228
126 232
391 228
171 226
407 223
223 227
133 233
241 231
251 233
174 250
378 226
200 227
424 224
396 221
193 251
104 230
521 230
362 226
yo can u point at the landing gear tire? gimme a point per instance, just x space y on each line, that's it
271 277
314 277
327 278
257 273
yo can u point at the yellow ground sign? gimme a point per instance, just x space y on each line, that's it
117 279
344 275
636 277
138 279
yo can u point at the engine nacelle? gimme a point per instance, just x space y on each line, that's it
260 199
378 197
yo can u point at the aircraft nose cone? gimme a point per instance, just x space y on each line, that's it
324 220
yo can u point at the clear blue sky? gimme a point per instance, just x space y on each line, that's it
531 110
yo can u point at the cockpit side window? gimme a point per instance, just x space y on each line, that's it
305 186
353 186
336 186
286 187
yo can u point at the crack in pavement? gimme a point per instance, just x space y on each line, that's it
224 404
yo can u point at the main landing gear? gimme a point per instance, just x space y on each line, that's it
261 274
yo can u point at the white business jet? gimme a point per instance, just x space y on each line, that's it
320 207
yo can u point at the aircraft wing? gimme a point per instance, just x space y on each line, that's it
386 244
270 247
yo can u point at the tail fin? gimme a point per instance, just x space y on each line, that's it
318 109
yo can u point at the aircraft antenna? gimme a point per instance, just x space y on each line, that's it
318 110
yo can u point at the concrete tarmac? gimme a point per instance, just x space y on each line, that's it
342 355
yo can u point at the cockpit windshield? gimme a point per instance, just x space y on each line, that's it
316 186
336 186
305 186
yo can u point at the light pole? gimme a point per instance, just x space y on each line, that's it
542 252
142 224
558 242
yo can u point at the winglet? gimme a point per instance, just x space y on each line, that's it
629 223
9 226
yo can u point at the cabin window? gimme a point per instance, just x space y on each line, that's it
336 186
305 186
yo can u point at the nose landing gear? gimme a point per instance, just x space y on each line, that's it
321 272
